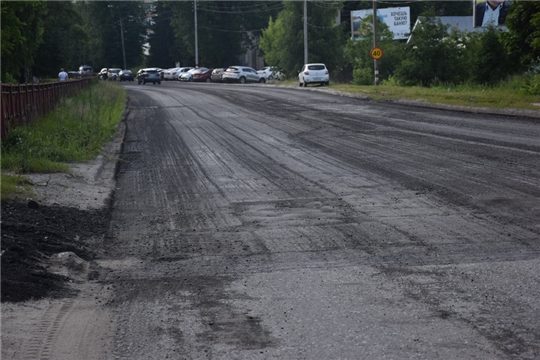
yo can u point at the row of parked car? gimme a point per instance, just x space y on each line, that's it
239 74
310 74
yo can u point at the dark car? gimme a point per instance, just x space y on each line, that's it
216 75
125 75
74 75
148 75
202 75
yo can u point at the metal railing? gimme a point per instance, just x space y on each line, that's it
24 103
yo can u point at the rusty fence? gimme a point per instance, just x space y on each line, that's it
24 103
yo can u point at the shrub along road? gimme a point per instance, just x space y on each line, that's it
254 222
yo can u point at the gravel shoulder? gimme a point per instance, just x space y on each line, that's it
49 248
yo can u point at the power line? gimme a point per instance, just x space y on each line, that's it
230 31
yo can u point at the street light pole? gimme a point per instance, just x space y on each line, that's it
196 38
305 34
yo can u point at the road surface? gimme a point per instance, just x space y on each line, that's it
261 222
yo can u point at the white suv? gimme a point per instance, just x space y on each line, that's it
242 75
314 74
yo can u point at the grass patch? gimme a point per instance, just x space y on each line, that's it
15 186
508 95
75 131
451 95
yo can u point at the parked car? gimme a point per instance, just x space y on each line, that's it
125 75
86 70
270 73
148 75
103 73
188 75
183 70
242 74
216 74
202 75
112 74
170 74
314 74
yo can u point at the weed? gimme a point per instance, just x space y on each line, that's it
75 131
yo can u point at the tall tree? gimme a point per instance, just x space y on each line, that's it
163 51
22 33
108 21
523 37
61 38
283 40
225 29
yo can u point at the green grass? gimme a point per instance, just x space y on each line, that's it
486 97
75 131
15 186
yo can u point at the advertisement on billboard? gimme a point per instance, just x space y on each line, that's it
397 19
490 12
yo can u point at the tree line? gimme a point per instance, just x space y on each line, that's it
41 37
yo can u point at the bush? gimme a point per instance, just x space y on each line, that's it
363 76
531 86
491 63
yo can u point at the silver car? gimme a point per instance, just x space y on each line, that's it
182 71
242 75
149 75
314 74
188 75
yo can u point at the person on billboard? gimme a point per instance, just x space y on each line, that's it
491 12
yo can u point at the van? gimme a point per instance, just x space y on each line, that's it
85 69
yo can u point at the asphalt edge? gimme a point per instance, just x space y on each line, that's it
535 114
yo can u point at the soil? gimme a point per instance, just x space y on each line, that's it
32 235
67 216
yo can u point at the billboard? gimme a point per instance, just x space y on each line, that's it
397 19
490 12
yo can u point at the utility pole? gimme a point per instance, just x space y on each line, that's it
305 34
196 37
121 35
375 61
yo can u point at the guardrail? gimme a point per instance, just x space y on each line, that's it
24 103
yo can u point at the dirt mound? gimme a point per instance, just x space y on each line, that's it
32 237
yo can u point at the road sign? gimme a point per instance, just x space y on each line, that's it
376 53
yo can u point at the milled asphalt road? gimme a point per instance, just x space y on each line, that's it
259 222
262 222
